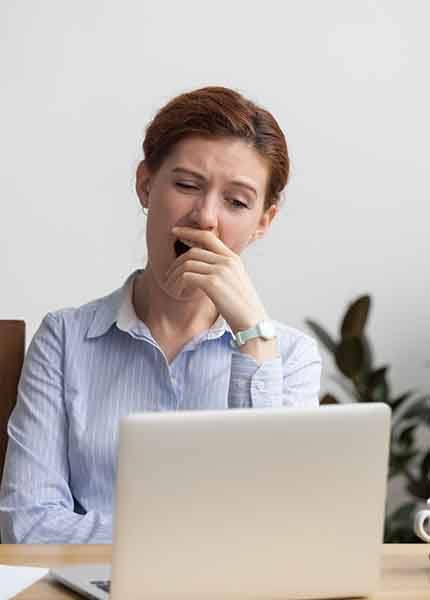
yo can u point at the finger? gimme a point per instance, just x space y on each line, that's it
182 279
195 280
207 239
190 266
194 254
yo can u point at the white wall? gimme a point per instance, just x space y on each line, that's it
348 82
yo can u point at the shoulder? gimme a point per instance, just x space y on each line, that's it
85 321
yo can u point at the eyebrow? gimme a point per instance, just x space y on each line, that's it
202 178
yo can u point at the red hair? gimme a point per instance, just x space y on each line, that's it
217 112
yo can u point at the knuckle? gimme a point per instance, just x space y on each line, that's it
214 280
226 262
233 261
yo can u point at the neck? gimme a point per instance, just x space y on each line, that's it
166 316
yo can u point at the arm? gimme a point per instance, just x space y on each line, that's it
260 376
36 502
290 379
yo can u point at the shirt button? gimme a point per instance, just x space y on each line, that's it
260 386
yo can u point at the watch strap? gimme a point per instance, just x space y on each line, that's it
263 329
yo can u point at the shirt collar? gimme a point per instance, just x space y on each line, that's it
106 312
118 308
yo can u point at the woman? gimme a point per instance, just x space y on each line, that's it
187 332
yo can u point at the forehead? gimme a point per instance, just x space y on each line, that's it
226 157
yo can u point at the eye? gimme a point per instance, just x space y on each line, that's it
237 203
186 186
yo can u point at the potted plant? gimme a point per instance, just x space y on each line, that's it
364 382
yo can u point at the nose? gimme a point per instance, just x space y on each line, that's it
204 214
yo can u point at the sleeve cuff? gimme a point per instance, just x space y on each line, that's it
254 385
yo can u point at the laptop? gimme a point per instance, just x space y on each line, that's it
246 503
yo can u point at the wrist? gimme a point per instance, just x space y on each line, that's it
247 322
263 330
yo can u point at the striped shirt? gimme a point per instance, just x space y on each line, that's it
86 368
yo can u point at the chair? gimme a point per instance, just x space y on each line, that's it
12 349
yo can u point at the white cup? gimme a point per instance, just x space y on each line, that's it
422 524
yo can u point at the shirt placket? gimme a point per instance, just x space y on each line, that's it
176 372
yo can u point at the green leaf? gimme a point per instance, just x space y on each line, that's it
328 399
355 317
368 354
399 525
378 390
323 336
406 437
349 356
420 409
399 461
397 402
404 513
420 488
425 469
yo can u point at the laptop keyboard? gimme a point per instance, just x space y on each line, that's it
102 585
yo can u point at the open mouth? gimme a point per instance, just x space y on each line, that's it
181 248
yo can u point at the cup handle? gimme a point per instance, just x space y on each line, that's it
422 525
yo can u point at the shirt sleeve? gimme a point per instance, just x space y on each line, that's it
291 379
36 502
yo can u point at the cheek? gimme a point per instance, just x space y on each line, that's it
172 207
241 234
162 215
238 242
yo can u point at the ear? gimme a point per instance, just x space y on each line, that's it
264 223
142 183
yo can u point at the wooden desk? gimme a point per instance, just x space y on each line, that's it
405 570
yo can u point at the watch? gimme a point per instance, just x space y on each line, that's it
264 329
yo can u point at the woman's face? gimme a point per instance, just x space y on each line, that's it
213 185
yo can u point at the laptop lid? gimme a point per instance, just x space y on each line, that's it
89 580
251 503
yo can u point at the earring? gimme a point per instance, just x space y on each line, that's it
145 211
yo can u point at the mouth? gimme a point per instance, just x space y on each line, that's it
181 247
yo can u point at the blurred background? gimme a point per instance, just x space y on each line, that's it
347 81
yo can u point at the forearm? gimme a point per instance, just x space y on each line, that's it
275 372
253 384
53 525
260 350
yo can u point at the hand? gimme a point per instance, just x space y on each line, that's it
220 274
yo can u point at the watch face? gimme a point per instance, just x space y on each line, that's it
267 330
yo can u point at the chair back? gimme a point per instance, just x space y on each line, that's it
12 349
